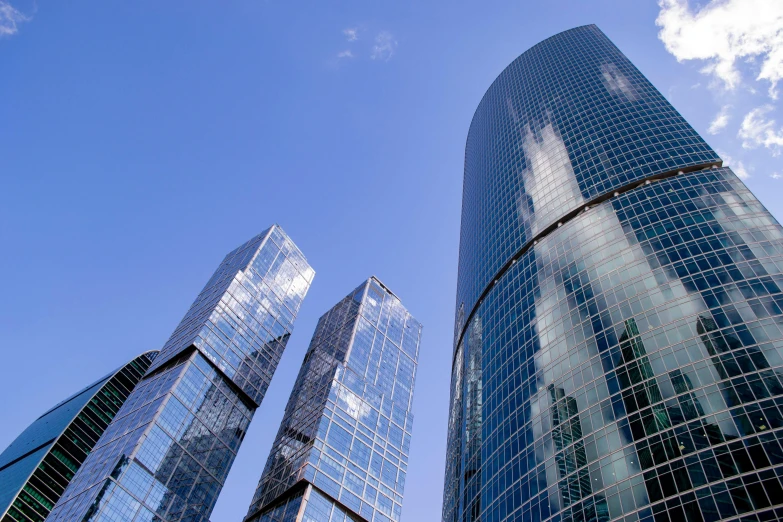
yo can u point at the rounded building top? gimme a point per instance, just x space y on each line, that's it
567 121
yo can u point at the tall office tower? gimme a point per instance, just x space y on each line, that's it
342 450
37 467
166 455
618 323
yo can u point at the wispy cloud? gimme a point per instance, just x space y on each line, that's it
737 166
758 129
775 175
384 46
724 32
10 18
380 48
720 121
351 34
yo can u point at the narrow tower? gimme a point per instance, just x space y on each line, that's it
619 307
342 449
37 467
166 455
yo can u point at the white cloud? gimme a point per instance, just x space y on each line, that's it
351 34
736 166
775 175
724 32
720 121
740 170
757 129
384 47
345 54
10 17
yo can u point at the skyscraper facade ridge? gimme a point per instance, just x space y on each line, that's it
619 318
168 451
565 218
342 448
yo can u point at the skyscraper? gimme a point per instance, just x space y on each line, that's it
166 455
618 307
37 467
342 450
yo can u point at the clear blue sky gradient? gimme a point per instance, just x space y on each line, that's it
142 141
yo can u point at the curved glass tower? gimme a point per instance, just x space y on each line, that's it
618 333
37 467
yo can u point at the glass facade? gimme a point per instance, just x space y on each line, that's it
341 453
37 467
165 456
619 317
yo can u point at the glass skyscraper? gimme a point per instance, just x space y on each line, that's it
37 467
619 329
166 455
342 450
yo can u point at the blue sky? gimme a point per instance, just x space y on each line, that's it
141 141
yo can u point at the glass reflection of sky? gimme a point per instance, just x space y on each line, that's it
347 427
626 363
